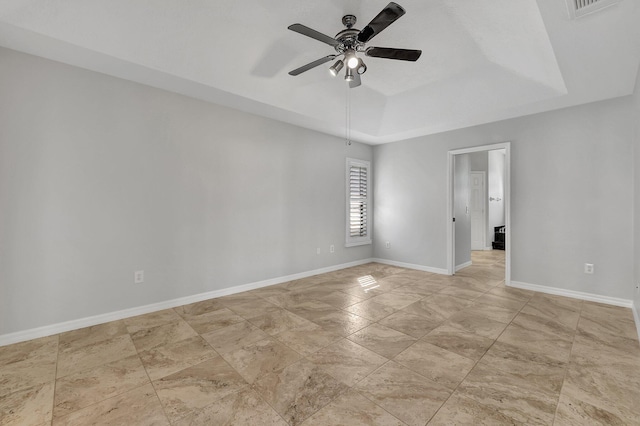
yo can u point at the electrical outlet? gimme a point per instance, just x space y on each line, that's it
332 249
318 250
588 268
387 245
138 277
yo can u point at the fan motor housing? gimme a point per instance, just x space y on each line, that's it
348 37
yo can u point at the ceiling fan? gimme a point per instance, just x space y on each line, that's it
350 41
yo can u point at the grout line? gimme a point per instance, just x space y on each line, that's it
566 370
479 359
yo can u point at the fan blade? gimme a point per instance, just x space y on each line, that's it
310 32
312 64
386 17
390 53
356 81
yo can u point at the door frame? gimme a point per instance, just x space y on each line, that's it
450 224
484 208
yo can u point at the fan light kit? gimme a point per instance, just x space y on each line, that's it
350 41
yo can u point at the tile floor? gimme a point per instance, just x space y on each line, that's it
369 345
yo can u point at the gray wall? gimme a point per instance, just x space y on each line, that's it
100 177
571 197
461 209
636 186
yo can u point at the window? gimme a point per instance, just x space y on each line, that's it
358 219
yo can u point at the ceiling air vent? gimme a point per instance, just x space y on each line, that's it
579 8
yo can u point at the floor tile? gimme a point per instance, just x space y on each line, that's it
555 309
164 360
257 359
352 409
421 288
548 373
150 320
511 293
199 308
382 340
96 354
342 323
475 322
234 337
312 310
87 387
510 394
139 406
253 308
89 335
341 300
299 390
44 349
346 361
278 321
603 328
467 344
459 410
411 324
196 387
594 310
32 406
370 310
234 299
536 323
403 393
396 300
172 332
573 412
527 340
438 307
214 320
28 364
461 293
437 364
245 407
307 339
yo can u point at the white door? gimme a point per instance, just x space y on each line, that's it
477 201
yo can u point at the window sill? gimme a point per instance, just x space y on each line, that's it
357 243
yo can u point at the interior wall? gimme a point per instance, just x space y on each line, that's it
496 215
571 197
461 209
100 177
636 186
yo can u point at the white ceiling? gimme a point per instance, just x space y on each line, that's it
482 61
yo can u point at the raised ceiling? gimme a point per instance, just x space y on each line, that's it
482 61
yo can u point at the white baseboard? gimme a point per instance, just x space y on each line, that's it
636 317
488 248
48 330
625 303
411 266
463 265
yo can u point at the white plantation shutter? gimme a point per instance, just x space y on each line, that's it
358 217
357 201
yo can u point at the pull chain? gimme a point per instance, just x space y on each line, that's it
347 116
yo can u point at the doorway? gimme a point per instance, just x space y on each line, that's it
452 238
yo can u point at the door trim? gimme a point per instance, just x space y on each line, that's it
507 203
